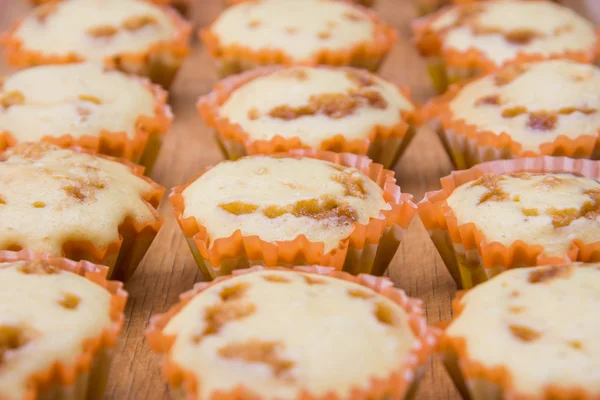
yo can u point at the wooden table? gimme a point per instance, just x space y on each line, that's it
168 269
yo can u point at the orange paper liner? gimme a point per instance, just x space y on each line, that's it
467 145
383 144
91 366
139 148
369 55
122 256
475 380
397 385
469 257
368 249
430 44
159 62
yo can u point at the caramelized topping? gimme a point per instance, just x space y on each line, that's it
495 192
31 151
253 114
521 36
102 31
516 309
490 100
234 292
360 78
276 279
216 316
542 121
384 313
258 351
312 280
524 333
291 29
254 24
589 209
359 294
530 212
353 184
576 344
12 338
69 301
513 112
508 74
239 208
89 98
12 99
544 275
138 22
324 35
325 207
38 267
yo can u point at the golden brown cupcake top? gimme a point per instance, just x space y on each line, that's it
50 197
279 199
537 326
95 29
46 314
278 333
547 209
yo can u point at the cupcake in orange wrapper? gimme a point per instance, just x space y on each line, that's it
302 207
527 334
59 322
84 105
516 112
66 203
274 109
517 213
183 6
469 40
134 36
291 32
364 3
429 6
228 339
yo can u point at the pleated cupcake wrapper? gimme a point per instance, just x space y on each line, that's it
364 3
477 381
467 145
159 62
86 377
233 59
383 144
469 257
398 385
122 256
369 248
142 148
449 65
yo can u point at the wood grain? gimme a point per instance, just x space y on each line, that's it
168 269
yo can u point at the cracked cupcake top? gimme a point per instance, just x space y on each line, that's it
236 333
46 314
533 103
279 199
95 29
544 317
551 210
50 197
75 99
315 104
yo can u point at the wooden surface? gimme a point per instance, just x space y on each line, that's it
168 269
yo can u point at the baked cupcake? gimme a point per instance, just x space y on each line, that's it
302 207
60 321
134 36
84 105
468 40
516 112
220 341
528 334
308 32
365 3
183 6
510 214
273 109
428 6
63 203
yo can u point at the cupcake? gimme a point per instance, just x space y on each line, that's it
134 36
183 6
220 340
528 334
518 213
307 32
516 112
428 6
275 109
365 3
469 40
63 203
59 325
302 207
84 105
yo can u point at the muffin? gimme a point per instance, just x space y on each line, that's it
134 36
469 40
307 32
84 105
516 113
528 334
275 109
510 214
183 6
302 207
232 351
64 203
428 6
365 3
60 321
